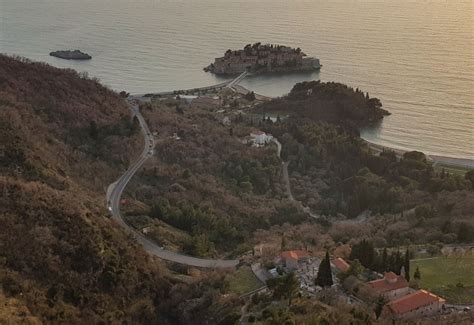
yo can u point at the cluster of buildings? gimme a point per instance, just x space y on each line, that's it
403 302
263 58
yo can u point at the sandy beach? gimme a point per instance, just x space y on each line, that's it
436 159
447 161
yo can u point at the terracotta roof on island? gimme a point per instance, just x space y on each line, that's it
340 264
390 282
413 301
296 255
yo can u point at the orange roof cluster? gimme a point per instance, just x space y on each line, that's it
295 255
340 264
413 301
390 282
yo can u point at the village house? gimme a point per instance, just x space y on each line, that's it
292 259
391 287
339 265
421 303
260 138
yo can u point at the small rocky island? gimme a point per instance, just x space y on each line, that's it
71 55
262 58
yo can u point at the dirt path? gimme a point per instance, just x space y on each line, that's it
286 181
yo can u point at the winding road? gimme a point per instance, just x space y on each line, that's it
115 190
114 193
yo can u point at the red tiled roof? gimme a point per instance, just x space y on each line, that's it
340 264
390 276
390 282
257 132
296 255
413 301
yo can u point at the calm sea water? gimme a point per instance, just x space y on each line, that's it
416 56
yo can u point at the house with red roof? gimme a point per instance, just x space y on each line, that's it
421 303
340 265
391 287
291 259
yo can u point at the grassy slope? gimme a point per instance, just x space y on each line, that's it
243 281
443 273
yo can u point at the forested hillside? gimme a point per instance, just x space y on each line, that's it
330 102
207 191
63 138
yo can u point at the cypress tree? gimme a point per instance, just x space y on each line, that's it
398 263
417 274
324 277
384 260
407 265
283 242
391 262
93 130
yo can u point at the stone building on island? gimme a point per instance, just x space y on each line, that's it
260 58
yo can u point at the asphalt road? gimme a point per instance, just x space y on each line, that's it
114 194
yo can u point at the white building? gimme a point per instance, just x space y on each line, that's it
260 138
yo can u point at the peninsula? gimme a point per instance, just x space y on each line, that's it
71 55
263 58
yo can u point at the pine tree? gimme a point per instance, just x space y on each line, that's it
284 287
407 265
324 277
398 263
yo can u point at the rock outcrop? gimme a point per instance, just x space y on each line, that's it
71 55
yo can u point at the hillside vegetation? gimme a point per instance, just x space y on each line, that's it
206 192
60 257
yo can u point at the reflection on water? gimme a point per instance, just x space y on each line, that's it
416 56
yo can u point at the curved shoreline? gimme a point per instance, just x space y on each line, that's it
436 159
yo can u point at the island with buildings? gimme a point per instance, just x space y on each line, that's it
263 58
71 55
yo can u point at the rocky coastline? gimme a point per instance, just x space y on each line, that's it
71 55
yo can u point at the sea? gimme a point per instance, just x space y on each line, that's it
417 56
